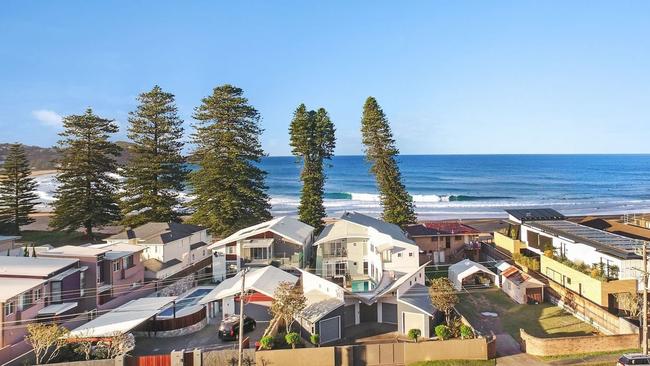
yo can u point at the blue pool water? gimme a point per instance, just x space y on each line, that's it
361 286
189 300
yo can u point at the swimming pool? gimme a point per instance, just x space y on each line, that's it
191 299
361 285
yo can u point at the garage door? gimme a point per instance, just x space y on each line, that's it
348 316
368 313
412 321
330 329
388 313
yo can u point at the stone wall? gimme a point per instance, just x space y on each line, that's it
572 345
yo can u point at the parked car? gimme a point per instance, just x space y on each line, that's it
633 359
229 327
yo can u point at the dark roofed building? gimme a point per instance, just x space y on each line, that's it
534 214
157 232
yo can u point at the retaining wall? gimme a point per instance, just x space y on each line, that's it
572 345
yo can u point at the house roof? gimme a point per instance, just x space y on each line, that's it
341 229
75 251
603 241
33 266
616 227
158 232
10 237
292 230
198 245
319 304
11 287
418 297
520 278
263 280
122 319
154 265
119 250
383 227
535 214
439 228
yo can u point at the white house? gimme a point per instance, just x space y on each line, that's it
283 240
170 248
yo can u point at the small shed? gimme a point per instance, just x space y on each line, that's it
521 287
470 274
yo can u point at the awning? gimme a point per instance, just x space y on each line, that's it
257 243
122 319
57 309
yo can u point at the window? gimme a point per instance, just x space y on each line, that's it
82 283
129 261
37 294
26 300
55 290
410 254
365 268
387 256
116 266
568 280
10 307
340 269
458 237
399 255
448 242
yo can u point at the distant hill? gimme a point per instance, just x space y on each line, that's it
42 158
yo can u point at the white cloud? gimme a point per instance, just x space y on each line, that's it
48 118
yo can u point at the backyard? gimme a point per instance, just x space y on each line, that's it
543 320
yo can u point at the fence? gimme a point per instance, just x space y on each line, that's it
162 325
570 345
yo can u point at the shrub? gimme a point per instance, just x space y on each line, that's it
266 342
443 332
314 339
466 332
413 334
292 339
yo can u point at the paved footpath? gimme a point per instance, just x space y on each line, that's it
509 353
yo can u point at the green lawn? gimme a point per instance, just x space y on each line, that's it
543 320
455 363
57 238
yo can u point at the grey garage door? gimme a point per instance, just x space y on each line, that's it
388 313
330 329
368 313
348 316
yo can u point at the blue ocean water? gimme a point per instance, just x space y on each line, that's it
453 186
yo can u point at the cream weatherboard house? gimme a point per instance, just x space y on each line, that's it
170 249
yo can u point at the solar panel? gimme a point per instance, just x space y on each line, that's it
589 235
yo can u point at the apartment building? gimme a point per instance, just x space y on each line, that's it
170 249
33 288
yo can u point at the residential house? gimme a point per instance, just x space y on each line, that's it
7 243
520 286
442 241
113 269
592 263
170 249
375 267
32 288
284 241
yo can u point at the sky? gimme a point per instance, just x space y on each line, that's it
453 77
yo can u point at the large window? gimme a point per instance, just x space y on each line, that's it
56 291
116 266
340 269
387 256
448 242
336 249
26 300
259 253
10 307
365 268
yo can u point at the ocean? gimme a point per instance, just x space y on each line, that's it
469 186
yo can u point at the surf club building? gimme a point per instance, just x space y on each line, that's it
592 263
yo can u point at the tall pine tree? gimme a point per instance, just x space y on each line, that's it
229 190
156 172
86 196
17 191
380 151
312 140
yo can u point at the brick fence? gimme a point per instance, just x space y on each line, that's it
572 345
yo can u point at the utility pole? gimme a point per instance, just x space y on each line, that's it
241 315
645 299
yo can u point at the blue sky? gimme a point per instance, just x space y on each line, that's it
452 76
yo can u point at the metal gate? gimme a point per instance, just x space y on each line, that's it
149 360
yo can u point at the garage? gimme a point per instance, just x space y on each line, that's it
388 313
330 329
368 313
413 321
349 316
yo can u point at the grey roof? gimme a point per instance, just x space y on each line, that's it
33 266
289 228
319 305
418 297
158 232
535 214
383 227
603 241
154 265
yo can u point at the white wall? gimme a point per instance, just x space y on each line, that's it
312 282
